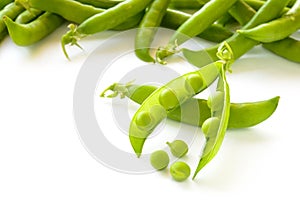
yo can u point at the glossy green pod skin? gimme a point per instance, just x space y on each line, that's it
288 48
28 34
4 3
148 28
214 33
101 3
242 115
239 44
166 98
277 29
28 16
11 10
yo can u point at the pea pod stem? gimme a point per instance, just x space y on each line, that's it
103 21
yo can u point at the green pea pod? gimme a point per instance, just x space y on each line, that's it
239 44
187 4
277 29
103 21
215 33
101 3
4 3
195 25
242 115
165 99
215 127
288 48
11 10
28 34
147 29
28 16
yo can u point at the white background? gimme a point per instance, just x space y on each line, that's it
41 156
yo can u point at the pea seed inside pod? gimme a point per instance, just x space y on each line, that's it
178 148
194 81
143 119
215 101
159 160
168 99
180 171
210 125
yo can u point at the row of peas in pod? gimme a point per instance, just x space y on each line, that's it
236 26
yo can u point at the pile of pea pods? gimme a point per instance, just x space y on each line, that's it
235 26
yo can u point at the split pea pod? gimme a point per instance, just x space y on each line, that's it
27 34
239 44
277 29
195 25
242 115
148 27
214 128
4 3
28 16
165 99
103 21
214 33
11 10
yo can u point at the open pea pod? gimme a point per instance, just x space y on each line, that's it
215 127
167 98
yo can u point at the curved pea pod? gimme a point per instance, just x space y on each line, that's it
214 128
101 3
288 48
242 115
27 34
11 10
165 99
277 29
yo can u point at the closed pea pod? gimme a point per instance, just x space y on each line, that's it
196 24
167 98
238 43
242 115
215 33
101 3
28 16
147 29
288 48
70 10
11 10
277 29
27 34
103 21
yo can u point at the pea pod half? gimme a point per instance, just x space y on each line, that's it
165 99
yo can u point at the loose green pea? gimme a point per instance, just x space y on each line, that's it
168 99
195 81
180 171
143 119
209 125
215 101
159 160
178 148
